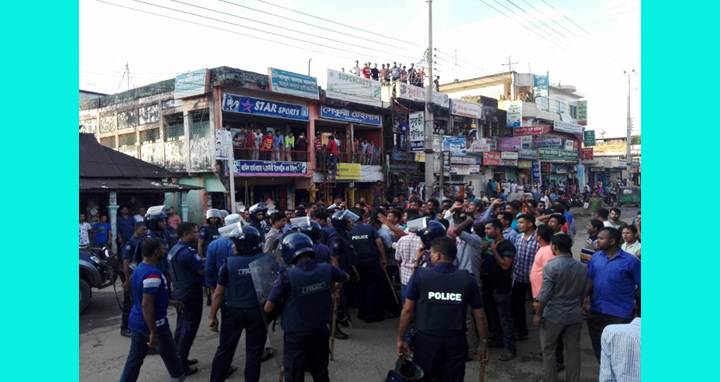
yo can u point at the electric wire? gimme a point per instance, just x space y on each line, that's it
550 18
583 29
531 23
521 24
542 22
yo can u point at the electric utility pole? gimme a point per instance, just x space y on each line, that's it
429 152
629 130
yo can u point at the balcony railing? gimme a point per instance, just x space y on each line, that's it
271 155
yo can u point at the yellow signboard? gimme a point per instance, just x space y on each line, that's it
348 171
612 148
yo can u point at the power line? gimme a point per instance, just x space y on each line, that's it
566 17
459 60
553 20
337 23
521 24
542 22
531 23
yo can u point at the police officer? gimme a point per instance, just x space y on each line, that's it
320 216
431 231
305 293
369 260
209 232
188 277
341 253
257 218
313 230
219 250
240 308
128 251
438 297
156 222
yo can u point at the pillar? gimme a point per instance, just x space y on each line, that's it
112 209
184 206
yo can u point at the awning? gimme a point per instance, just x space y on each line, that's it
132 184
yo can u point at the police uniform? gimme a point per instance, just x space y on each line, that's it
128 252
241 310
187 286
325 234
208 233
162 264
217 252
341 246
366 259
441 294
322 253
305 292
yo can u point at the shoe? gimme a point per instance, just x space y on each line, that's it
507 356
269 353
343 322
192 361
339 334
191 370
125 333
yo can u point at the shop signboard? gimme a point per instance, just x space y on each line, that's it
300 85
417 94
267 168
223 145
255 106
611 148
547 142
420 157
509 162
352 116
567 127
586 154
514 114
527 141
536 174
474 169
532 130
460 169
525 164
462 160
417 131
589 138
527 154
582 113
465 108
348 171
569 144
479 147
348 87
558 154
491 158
509 155
191 84
542 87
510 144
455 145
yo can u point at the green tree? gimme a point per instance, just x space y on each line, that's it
635 140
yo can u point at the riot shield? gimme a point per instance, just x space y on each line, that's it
264 272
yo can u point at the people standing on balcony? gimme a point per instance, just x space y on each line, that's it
361 153
356 153
369 153
301 146
257 144
375 73
267 146
403 73
333 153
356 69
318 150
395 72
278 141
384 73
249 148
366 70
289 146
239 139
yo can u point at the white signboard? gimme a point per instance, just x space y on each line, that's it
223 145
466 109
565 127
191 84
417 94
509 155
514 114
569 145
480 147
347 87
417 131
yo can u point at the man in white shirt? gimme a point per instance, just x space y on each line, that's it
356 69
620 355
630 245
84 229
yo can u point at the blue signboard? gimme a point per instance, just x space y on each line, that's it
536 172
300 85
191 84
541 86
350 115
247 105
548 142
455 145
266 168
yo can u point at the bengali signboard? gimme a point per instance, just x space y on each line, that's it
527 154
417 131
567 127
589 138
479 147
510 144
491 158
263 168
300 85
509 155
455 145
417 94
536 174
548 142
346 115
509 162
191 84
462 160
248 105
525 164
586 154
558 155
514 114
611 148
570 145
348 87
542 86
465 108
223 145
532 130
348 171
582 113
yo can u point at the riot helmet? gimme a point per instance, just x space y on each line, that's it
255 208
432 231
310 228
213 213
232 219
153 215
224 214
294 245
245 237
341 219
405 370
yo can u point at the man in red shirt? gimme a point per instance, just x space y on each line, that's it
267 145
333 153
247 151
366 70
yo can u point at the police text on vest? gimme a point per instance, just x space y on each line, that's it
443 296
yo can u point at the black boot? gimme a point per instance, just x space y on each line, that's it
339 334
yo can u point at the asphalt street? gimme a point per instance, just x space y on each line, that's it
366 356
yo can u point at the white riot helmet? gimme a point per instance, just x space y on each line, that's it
212 213
232 219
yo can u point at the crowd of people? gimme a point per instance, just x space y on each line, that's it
489 253
391 74
277 146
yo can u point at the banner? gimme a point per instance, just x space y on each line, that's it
527 154
542 88
532 130
416 131
589 138
347 87
611 148
223 145
536 175
491 158
263 168
586 154
255 106
346 115
548 142
569 145
558 154
510 144
348 171
479 147
525 164
417 94
191 84
508 155
300 85
455 145
462 160
465 108
514 114
567 127
582 113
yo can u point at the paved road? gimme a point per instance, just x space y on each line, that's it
365 357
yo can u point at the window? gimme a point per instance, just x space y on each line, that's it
107 124
200 124
128 139
559 107
150 136
573 111
174 132
127 119
108 142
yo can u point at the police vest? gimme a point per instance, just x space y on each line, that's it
309 306
442 306
341 246
364 248
240 290
183 277
211 233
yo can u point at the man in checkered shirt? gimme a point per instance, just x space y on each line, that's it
527 247
405 252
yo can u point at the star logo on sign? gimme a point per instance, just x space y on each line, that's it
247 105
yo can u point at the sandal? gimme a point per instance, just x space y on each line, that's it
507 356
269 353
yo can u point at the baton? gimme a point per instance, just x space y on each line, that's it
332 332
482 371
267 324
391 286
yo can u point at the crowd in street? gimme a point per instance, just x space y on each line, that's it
489 253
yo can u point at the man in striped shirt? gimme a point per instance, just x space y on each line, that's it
407 246
527 247
590 247
620 357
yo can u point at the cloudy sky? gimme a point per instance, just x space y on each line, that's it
584 43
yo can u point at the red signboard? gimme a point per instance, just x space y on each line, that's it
586 154
532 130
547 168
491 158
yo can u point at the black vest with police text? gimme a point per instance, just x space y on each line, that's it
183 277
309 306
442 306
240 290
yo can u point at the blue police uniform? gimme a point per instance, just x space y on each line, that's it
128 251
187 287
148 279
171 236
366 259
325 233
125 227
306 293
341 246
441 294
241 310
208 233
138 257
217 252
322 253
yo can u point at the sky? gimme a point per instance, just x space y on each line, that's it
588 44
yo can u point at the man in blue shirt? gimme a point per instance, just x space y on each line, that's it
369 260
125 225
188 276
103 233
278 143
613 275
156 222
219 250
148 317
127 251
438 297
